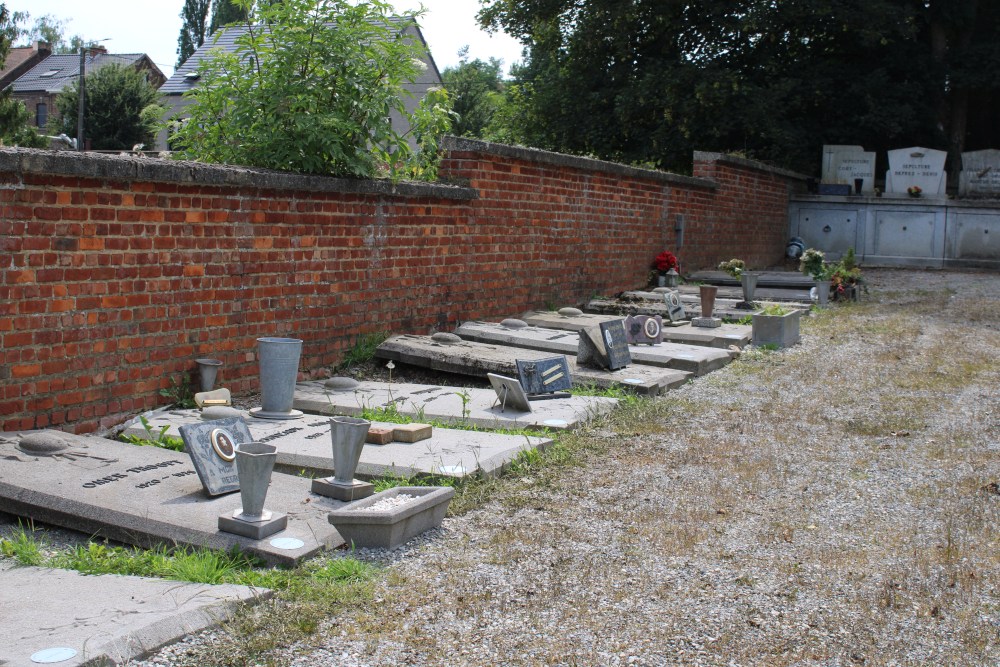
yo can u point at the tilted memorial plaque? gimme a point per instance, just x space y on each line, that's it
616 344
212 447
510 393
544 376
644 329
675 309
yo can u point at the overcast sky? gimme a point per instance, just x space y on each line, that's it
152 27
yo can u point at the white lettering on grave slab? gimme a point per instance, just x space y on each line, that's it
980 175
849 166
917 166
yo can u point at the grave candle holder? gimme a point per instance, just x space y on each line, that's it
348 439
254 465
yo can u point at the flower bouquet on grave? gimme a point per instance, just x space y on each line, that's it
734 267
667 267
914 191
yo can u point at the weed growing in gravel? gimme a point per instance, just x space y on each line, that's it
160 439
363 350
23 546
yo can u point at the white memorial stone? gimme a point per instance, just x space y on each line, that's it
829 172
920 167
848 166
980 175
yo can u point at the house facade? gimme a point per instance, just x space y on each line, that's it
185 77
40 84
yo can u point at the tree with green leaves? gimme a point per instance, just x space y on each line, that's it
652 80
15 120
48 28
310 88
226 12
194 28
121 109
476 89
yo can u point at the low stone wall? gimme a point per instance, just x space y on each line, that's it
118 271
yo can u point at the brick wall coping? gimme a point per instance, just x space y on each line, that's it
128 168
705 156
572 161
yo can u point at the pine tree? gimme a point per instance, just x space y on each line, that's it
195 15
225 12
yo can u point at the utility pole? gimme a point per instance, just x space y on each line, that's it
80 96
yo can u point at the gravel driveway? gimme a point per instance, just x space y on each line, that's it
832 504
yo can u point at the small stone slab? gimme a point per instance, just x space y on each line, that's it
706 322
216 397
270 523
412 432
726 335
212 447
214 412
544 376
331 488
476 406
644 329
510 394
378 435
148 496
106 618
392 527
479 359
697 359
305 445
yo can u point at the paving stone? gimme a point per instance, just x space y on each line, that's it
149 496
692 358
723 337
305 446
476 406
379 435
480 359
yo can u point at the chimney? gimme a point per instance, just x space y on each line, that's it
96 50
42 47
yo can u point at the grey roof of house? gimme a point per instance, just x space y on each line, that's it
225 39
65 69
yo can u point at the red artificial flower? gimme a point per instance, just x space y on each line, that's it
666 261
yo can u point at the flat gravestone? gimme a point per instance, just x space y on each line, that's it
980 175
723 337
917 166
644 329
212 446
510 393
544 376
148 496
469 405
478 359
697 359
306 446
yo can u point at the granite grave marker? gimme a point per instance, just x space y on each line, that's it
212 446
544 376
644 329
980 175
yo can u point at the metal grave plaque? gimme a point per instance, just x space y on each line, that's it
675 309
616 344
212 446
510 393
544 376
644 329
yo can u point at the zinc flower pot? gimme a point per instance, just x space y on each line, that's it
780 330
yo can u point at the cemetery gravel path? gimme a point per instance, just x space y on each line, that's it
833 504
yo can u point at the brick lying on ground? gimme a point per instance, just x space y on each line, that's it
478 359
107 618
690 358
424 401
305 445
148 496
723 337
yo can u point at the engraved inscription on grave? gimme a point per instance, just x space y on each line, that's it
212 449
675 309
544 376
644 329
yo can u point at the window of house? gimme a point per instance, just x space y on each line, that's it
41 114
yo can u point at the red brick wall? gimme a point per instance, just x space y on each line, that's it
116 273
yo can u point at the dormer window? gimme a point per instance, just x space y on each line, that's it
48 75
192 76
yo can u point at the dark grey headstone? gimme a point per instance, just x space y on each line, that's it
604 346
510 393
644 329
675 309
212 448
544 376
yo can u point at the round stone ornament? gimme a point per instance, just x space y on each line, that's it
570 312
446 338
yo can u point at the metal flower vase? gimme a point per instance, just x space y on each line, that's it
348 435
254 465
278 362
208 371
707 293
822 292
748 281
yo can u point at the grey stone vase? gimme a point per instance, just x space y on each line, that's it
707 293
822 292
278 361
208 371
348 435
748 281
254 464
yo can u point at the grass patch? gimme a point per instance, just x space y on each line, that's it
154 439
363 350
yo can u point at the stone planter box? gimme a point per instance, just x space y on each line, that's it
780 330
388 529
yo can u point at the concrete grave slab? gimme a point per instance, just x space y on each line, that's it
148 496
423 401
723 337
479 359
644 303
305 445
695 359
106 619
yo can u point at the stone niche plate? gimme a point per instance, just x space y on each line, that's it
212 448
